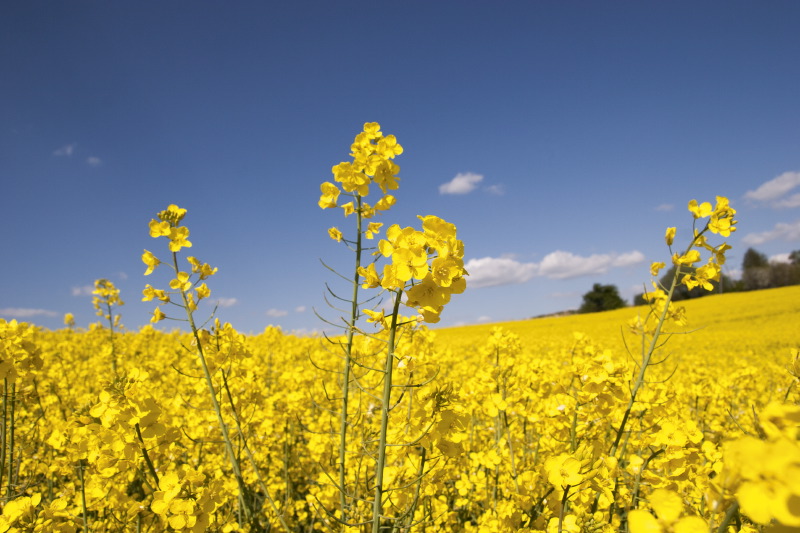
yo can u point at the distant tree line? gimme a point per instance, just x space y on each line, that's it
757 273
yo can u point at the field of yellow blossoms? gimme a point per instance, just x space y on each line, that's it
661 418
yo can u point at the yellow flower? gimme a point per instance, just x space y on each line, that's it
690 257
181 282
370 275
385 203
563 471
670 236
377 318
668 505
151 261
330 193
178 238
159 229
158 315
203 291
69 320
372 229
700 211
655 268
335 234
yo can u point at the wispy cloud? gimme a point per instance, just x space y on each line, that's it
774 191
21 312
494 271
782 230
65 150
497 190
463 183
300 309
276 313
94 161
566 265
665 207
86 290
226 302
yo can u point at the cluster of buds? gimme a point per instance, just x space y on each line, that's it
372 154
168 225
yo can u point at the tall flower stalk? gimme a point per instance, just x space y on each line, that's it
426 268
191 288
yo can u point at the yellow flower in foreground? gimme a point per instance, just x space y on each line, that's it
668 505
335 234
700 211
669 236
563 471
181 282
370 275
179 238
377 318
203 291
655 268
330 193
151 261
372 229
158 315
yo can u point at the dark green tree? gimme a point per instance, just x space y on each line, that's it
755 270
601 298
754 259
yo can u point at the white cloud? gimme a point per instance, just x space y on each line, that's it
565 265
483 318
791 201
665 207
772 191
630 258
93 161
497 190
226 302
65 150
782 230
86 290
780 258
461 184
19 312
276 313
491 271
300 309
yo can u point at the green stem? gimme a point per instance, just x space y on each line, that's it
346 372
377 504
648 354
237 473
4 442
146 456
111 339
732 510
84 514
11 441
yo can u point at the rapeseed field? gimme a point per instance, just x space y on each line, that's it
674 416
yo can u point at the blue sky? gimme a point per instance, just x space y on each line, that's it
561 138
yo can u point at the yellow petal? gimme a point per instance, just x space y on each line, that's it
642 522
